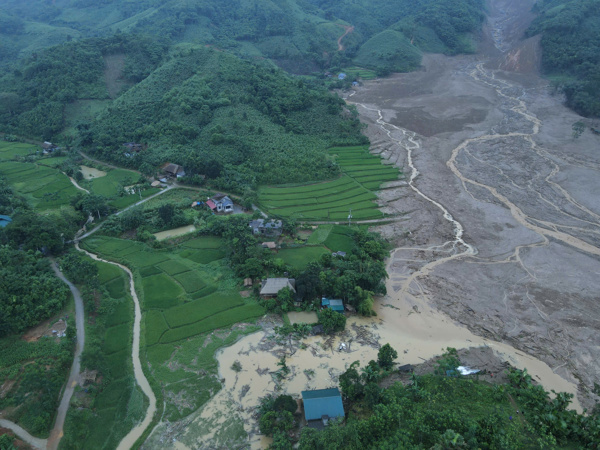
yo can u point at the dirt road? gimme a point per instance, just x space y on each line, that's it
57 432
349 29
504 218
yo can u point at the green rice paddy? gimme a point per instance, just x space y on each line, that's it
363 174
44 187
118 404
364 74
182 295
181 300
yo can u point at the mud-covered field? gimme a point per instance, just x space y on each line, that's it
517 257
497 238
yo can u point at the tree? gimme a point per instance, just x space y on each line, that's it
351 384
386 356
285 403
7 442
332 321
93 204
166 213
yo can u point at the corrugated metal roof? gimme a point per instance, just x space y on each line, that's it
274 285
211 204
322 402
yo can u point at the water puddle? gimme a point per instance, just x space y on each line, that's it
162 235
89 173
302 317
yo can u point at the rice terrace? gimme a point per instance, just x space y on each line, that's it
362 175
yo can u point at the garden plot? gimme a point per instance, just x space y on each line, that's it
363 174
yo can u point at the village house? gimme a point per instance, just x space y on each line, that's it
271 286
49 147
333 304
220 203
322 405
264 227
173 170
339 254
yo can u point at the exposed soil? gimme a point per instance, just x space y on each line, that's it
503 233
113 68
349 29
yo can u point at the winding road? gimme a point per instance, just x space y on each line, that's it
57 432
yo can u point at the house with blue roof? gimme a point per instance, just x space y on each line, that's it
4 220
333 304
321 405
341 76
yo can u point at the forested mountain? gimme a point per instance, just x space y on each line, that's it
571 49
299 34
198 83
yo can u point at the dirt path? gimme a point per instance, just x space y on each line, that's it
140 378
349 29
105 163
76 185
57 432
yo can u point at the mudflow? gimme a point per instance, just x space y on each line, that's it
498 246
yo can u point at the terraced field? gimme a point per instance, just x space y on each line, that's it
363 174
44 187
119 404
186 291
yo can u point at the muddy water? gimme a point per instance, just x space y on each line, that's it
408 323
89 173
302 317
162 235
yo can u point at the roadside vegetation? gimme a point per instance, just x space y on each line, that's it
571 50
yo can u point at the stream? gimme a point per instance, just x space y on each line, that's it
129 440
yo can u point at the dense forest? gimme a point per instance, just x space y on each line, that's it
198 82
571 50
300 35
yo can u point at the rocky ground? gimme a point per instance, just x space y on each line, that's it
502 229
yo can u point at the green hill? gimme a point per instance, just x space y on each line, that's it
571 50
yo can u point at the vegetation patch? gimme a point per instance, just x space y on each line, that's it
219 320
298 258
160 291
202 308
205 256
191 281
173 267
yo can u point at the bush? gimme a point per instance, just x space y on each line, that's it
332 321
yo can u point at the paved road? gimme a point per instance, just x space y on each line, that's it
23 435
57 432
